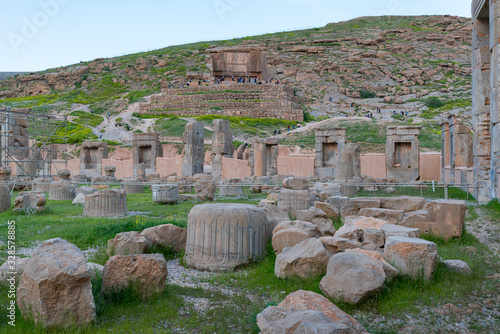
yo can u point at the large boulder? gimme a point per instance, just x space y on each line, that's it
290 233
30 202
413 257
168 235
79 199
307 259
405 203
55 288
330 211
317 217
391 230
364 230
127 243
307 312
336 244
351 277
165 193
326 190
390 271
205 190
147 273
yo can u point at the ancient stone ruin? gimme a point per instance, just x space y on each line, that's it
5 173
264 157
30 202
222 145
223 236
402 153
64 189
246 62
457 157
486 99
194 141
165 193
294 196
91 155
5 201
146 148
106 203
330 143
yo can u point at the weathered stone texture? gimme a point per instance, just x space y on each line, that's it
167 236
165 193
402 155
146 148
55 289
91 155
127 243
106 203
222 144
5 200
223 236
193 158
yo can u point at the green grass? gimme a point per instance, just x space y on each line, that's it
86 118
170 127
137 95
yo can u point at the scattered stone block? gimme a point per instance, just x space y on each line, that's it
307 312
230 187
95 270
413 257
330 211
147 273
296 183
168 235
448 217
165 193
352 277
307 259
205 190
317 217
55 289
457 266
336 244
293 200
391 230
291 233
405 203
390 271
79 200
389 215
30 202
353 205
127 243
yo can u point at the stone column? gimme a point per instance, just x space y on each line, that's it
194 140
481 109
445 150
106 203
495 93
222 145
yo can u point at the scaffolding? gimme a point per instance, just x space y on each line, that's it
32 142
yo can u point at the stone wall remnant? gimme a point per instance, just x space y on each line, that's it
194 141
222 145
146 148
456 150
330 144
264 157
402 155
91 155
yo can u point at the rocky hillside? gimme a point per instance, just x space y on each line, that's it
419 65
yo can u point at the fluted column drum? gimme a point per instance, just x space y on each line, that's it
133 186
62 190
5 200
221 237
106 203
165 193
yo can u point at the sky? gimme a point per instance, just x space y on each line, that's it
40 34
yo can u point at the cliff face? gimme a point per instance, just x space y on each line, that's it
397 60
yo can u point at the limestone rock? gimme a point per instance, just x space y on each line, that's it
127 243
307 312
165 193
167 235
79 200
416 258
336 244
17 266
418 219
363 229
293 200
55 289
330 189
353 205
62 190
337 202
352 277
261 184
193 158
30 202
448 217
390 271
389 215
391 230
458 266
231 187
290 233
205 190
317 217
405 203
146 272
95 270
296 183
307 259
330 211
221 237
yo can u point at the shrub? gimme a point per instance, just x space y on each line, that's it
433 103
366 94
